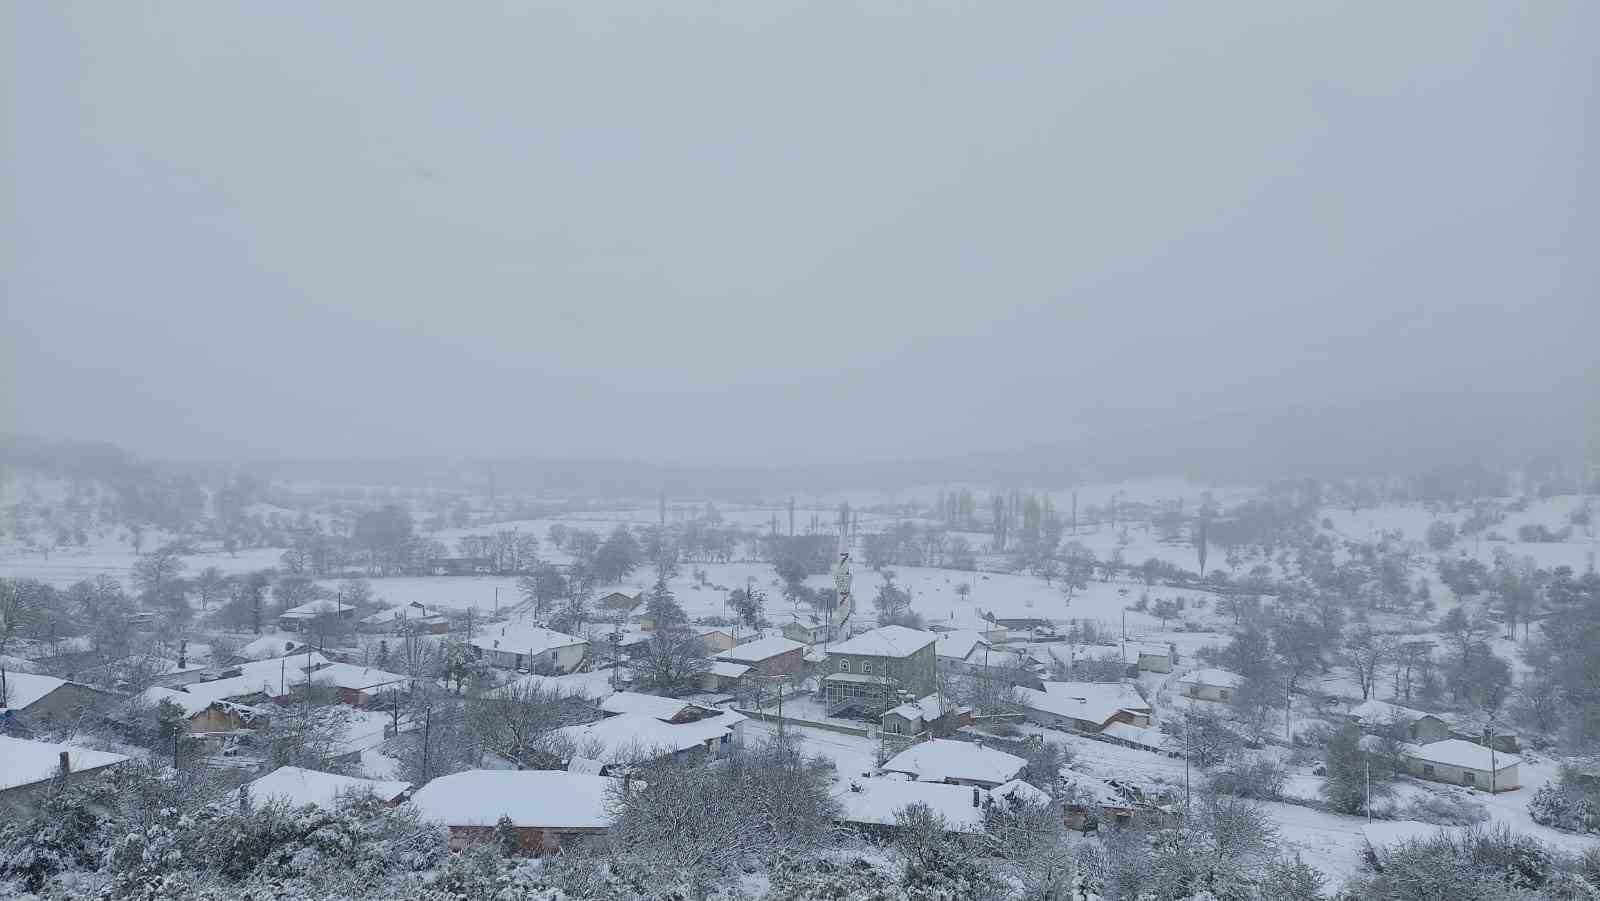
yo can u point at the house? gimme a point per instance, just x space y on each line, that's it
1144 738
722 676
630 738
358 686
44 698
931 713
1095 803
667 710
1085 706
1147 657
988 631
1460 762
961 650
775 656
956 762
413 618
618 603
875 804
873 669
201 714
1210 684
29 769
258 680
304 617
530 648
716 638
547 808
297 787
1432 727
266 647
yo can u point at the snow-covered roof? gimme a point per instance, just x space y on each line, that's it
550 799
649 705
1094 702
313 609
190 704
595 686
411 611
1018 790
886 641
530 640
298 786
728 670
273 677
1377 713
1217 678
876 801
24 762
1459 753
360 678
942 759
632 737
26 689
926 708
958 644
760 649
270 646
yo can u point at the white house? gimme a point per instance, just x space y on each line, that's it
530 648
1462 762
1210 684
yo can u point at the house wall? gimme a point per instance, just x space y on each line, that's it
25 796
562 660
214 719
1507 780
899 725
915 673
1428 729
1208 692
718 641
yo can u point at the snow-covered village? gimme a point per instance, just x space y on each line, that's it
793 451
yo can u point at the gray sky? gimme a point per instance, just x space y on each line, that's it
741 230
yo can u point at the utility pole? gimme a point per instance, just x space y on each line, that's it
1368 789
1188 733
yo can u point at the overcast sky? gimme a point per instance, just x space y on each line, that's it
747 230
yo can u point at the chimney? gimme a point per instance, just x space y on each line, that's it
974 797
66 763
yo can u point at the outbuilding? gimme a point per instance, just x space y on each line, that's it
548 809
1461 762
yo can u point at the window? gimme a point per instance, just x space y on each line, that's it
1224 693
1468 778
866 667
1427 770
844 666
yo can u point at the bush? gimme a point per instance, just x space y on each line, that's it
1564 804
1249 777
1443 810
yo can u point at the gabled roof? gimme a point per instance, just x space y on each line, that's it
1219 678
1378 713
1094 702
530 640
928 708
886 641
550 799
321 607
24 762
360 678
273 677
190 704
25 689
941 759
1459 753
959 644
298 786
759 650
631 737
1142 736
875 802
650 705
727 670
